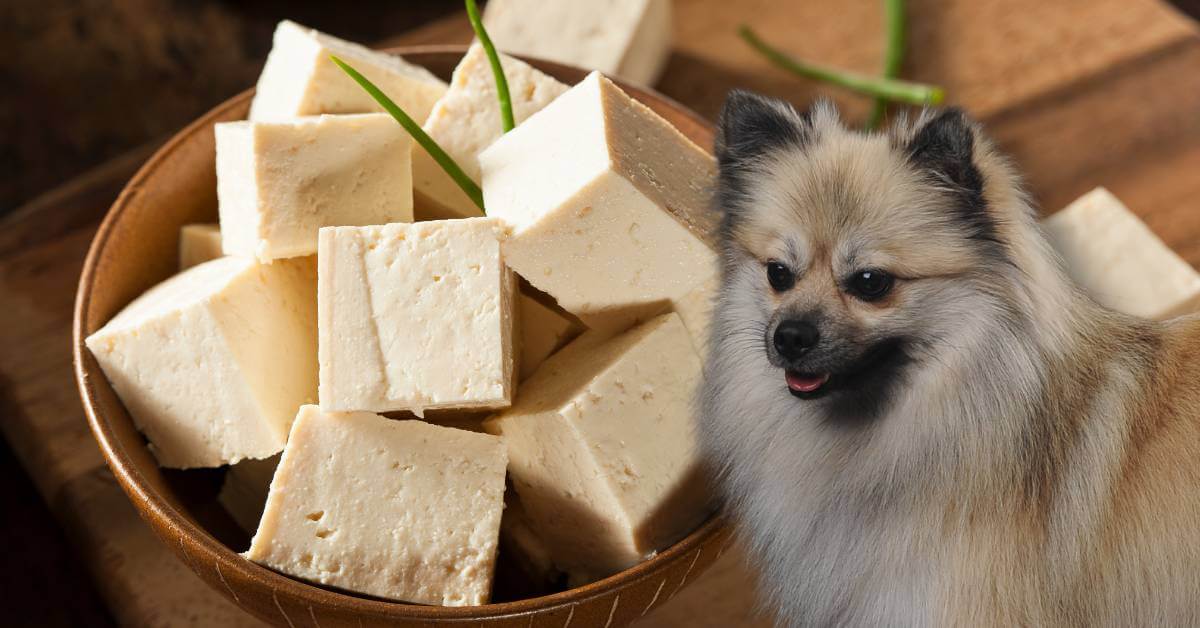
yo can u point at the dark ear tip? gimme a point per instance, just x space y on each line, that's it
751 124
956 116
738 100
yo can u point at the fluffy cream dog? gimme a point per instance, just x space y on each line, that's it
916 418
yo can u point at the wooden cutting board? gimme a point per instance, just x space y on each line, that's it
1080 92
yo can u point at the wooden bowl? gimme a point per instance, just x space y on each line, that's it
136 248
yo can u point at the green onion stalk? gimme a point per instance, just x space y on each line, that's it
506 112
893 55
418 134
887 89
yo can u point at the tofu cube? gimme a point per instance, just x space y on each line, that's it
1117 260
626 38
466 120
695 309
213 362
415 317
279 182
244 490
544 330
199 243
609 203
402 510
299 79
602 448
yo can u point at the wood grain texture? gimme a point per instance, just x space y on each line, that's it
1081 93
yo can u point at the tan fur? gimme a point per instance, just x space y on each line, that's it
1040 464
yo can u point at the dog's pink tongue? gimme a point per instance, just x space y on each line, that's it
805 383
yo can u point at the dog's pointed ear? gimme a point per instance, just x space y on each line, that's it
750 125
945 147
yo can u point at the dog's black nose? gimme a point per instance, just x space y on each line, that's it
794 338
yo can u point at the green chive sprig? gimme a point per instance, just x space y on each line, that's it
506 112
893 55
445 161
888 89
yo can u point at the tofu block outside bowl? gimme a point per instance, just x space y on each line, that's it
278 183
1117 259
466 120
610 205
630 39
136 247
212 361
695 309
416 317
602 448
402 510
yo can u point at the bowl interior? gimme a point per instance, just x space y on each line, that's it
136 247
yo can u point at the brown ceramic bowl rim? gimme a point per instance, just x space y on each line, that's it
170 522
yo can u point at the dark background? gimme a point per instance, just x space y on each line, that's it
84 81
81 82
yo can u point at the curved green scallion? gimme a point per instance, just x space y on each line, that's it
418 134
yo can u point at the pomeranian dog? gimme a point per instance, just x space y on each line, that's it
915 417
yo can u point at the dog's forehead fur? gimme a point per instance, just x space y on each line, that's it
851 201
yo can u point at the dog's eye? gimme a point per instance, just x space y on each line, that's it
869 285
780 277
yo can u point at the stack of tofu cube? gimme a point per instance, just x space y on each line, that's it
542 356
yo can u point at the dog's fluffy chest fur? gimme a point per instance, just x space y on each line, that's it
1023 457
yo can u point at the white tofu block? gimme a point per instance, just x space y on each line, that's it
213 362
602 448
609 203
299 79
1116 259
627 38
244 491
415 317
466 120
544 330
695 309
402 510
280 182
199 243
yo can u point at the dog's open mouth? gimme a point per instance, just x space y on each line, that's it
876 366
806 385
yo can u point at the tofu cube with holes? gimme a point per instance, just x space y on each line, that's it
278 183
608 202
602 448
1119 261
415 317
198 243
299 79
402 510
213 362
466 120
626 38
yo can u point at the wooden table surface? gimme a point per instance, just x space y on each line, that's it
1080 92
